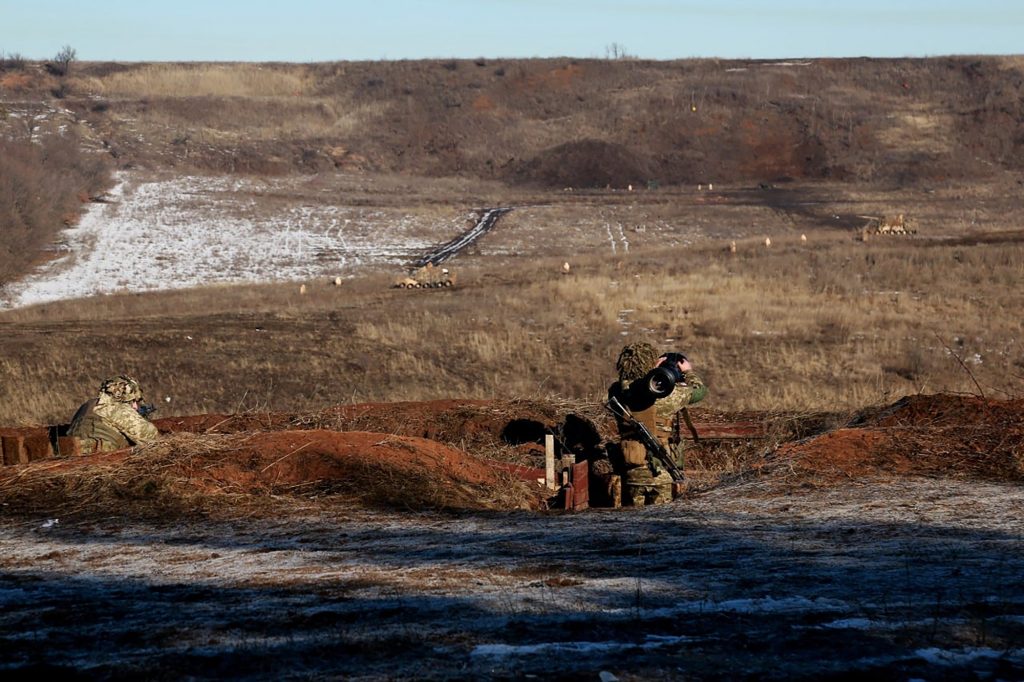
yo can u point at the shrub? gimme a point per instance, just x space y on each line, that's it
62 60
40 188
12 62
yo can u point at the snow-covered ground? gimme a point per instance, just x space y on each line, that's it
171 232
187 231
916 578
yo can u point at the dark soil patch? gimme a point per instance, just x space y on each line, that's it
585 164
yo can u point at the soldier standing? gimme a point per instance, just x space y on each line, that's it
644 480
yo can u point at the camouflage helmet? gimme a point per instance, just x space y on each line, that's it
122 388
635 360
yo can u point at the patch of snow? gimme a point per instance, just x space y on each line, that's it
574 648
937 656
193 231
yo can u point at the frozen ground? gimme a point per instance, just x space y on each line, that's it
911 579
170 232
180 232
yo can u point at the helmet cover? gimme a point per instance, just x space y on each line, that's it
122 388
635 360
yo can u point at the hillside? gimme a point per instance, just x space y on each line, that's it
340 168
557 123
346 482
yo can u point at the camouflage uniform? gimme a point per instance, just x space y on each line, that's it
645 481
109 421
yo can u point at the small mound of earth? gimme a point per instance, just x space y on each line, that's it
944 410
286 459
945 436
585 164
213 471
468 423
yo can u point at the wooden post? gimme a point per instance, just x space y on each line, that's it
549 462
37 446
567 463
581 485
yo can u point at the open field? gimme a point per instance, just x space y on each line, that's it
339 488
773 567
830 323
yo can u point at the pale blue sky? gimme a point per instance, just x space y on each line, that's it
314 30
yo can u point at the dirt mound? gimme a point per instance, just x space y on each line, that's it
585 163
466 423
414 455
944 410
209 473
938 435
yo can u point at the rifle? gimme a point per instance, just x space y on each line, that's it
653 445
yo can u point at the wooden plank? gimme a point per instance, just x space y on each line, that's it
733 430
549 461
566 468
13 450
37 446
68 446
581 485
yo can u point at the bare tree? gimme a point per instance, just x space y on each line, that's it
62 61
617 51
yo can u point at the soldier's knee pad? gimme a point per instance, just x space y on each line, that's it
634 453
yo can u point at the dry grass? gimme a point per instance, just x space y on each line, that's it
835 326
684 122
825 327
202 80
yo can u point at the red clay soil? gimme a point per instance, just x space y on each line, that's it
925 435
378 469
402 454
283 459
946 410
